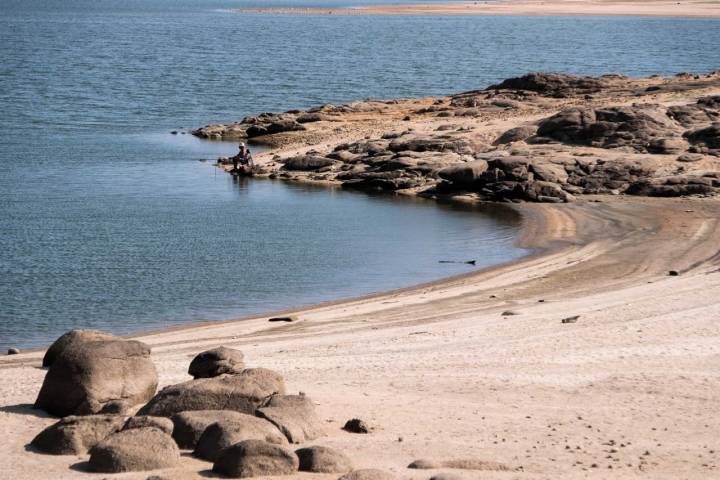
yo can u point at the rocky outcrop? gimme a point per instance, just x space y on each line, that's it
557 85
319 459
644 128
243 393
76 435
563 136
100 376
255 458
134 450
294 415
220 435
217 361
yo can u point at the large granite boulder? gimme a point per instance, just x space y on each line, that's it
368 474
189 426
76 435
161 423
217 361
294 415
73 337
101 376
134 450
243 393
220 435
644 128
255 458
323 460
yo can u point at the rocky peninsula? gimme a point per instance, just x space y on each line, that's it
542 137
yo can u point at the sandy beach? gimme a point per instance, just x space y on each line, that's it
652 8
441 373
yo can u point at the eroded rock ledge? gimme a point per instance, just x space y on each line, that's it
542 137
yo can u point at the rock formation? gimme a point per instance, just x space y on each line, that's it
243 393
98 376
217 361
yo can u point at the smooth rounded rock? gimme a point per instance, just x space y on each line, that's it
73 337
294 415
189 426
101 376
254 458
75 435
221 435
217 361
320 459
134 450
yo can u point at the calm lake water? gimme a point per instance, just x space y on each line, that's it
107 221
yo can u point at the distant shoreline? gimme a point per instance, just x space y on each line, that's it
650 8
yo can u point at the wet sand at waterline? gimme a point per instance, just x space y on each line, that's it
627 391
517 7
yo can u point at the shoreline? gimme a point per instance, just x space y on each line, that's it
585 269
651 8
521 241
585 356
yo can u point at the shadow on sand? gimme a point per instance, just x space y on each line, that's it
25 409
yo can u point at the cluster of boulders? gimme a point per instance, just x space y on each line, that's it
239 418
